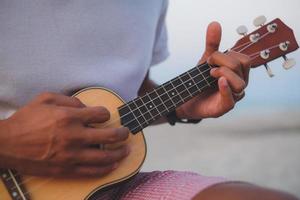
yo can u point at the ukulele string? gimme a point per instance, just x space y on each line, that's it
270 48
249 45
246 43
242 45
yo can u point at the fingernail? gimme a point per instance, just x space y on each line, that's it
213 70
127 150
115 166
104 111
123 131
224 82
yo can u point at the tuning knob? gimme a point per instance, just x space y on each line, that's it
288 63
269 71
242 30
259 21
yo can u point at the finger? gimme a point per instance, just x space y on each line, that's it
220 59
213 39
90 115
245 60
226 94
93 156
59 100
238 97
104 136
236 83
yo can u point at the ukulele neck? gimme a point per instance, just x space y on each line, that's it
142 111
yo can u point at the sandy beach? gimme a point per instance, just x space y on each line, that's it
263 148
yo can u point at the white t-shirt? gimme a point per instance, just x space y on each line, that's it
62 46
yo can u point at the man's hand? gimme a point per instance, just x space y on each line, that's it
232 74
50 136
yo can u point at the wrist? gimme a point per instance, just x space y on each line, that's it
172 118
180 113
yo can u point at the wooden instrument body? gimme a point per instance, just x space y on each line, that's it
47 188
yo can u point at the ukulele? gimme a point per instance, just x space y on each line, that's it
268 42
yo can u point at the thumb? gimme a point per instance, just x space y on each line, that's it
213 39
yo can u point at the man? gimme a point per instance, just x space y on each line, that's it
51 48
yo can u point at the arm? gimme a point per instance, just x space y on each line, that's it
232 72
50 136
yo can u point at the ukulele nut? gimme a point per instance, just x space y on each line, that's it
265 54
284 46
254 37
272 28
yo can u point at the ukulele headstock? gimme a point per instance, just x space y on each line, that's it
269 42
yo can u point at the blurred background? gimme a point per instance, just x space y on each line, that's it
259 141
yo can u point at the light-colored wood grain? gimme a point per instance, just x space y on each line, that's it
79 189
4 195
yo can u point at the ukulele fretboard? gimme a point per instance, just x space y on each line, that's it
142 111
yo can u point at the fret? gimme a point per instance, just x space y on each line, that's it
139 115
128 118
205 72
177 89
147 109
186 93
124 109
161 105
173 93
133 121
140 105
175 96
202 84
176 82
193 72
169 102
148 117
198 68
193 89
205 69
11 182
153 105
195 83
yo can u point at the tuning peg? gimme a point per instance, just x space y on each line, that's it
288 62
269 71
259 21
242 30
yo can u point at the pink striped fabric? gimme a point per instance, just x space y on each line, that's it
166 185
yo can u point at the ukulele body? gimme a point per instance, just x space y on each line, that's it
48 188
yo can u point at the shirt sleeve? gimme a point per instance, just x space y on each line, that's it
160 47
